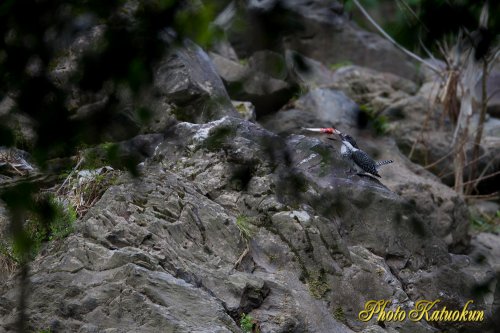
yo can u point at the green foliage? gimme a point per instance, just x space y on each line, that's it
414 21
339 314
247 230
218 137
248 324
105 154
195 21
119 59
301 91
340 64
296 182
241 108
378 122
52 220
62 223
486 223
318 285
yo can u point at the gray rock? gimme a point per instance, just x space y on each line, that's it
23 127
247 83
319 30
320 107
245 109
431 143
428 195
307 72
492 127
187 79
186 87
413 119
483 207
326 107
374 89
488 245
169 250
325 12
268 62
427 74
353 44
66 65
224 49
493 93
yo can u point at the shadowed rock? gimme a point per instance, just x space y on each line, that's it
160 251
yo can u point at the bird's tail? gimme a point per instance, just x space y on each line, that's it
384 162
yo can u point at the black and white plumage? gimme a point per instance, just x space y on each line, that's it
344 150
384 162
361 159
350 151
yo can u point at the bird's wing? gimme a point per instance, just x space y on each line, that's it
365 162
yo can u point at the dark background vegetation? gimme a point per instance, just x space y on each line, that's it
413 22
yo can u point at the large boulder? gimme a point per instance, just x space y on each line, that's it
229 218
416 122
324 107
185 87
187 79
425 191
318 29
374 89
320 107
307 72
259 81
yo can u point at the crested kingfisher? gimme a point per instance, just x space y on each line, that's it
351 151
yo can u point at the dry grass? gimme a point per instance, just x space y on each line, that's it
12 163
77 193
463 71
8 264
82 188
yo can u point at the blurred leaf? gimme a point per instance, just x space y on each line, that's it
139 75
6 136
195 21
144 114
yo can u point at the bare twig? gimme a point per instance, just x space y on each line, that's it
480 128
482 178
412 12
442 175
459 161
484 196
442 158
70 174
426 50
450 100
492 94
424 126
242 256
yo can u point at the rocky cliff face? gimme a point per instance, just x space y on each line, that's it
163 251
229 217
